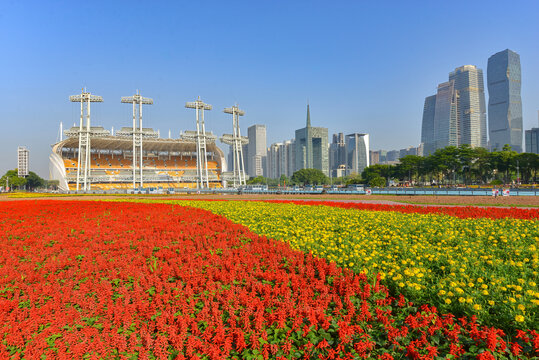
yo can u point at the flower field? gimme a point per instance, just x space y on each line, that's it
155 281
466 266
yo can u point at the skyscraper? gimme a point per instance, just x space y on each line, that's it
357 152
471 110
445 116
532 140
427 126
504 102
312 147
337 152
256 150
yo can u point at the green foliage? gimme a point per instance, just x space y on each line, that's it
377 182
309 177
257 180
354 179
14 180
463 165
33 181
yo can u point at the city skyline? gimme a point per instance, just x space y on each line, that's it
277 63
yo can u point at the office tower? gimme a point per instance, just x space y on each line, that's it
256 150
392 156
374 157
291 155
312 147
337 152
23 158
427 127
532 141
445 116
471 110
357 152
273 162
504 102
280 159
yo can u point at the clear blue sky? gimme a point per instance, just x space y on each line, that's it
364 66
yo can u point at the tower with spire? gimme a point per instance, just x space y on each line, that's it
311 147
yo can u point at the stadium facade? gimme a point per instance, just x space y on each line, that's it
167 163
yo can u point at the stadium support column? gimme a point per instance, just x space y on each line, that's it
236 141
137 134
84 154
202 160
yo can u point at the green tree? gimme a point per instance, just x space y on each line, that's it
257 180
377 182
14 180
309 177
33 181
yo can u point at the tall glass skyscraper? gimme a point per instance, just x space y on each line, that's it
311 147
471 112
427 127
357 152
504 103
446 127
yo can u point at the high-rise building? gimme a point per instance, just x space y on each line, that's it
256 150
456 114
23 158
337 152
273 161
291 155
280 159
392 156
445 116
471 110
427 127
357 152
312 147
532 141
504 102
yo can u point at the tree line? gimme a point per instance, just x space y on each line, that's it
31 182
461 165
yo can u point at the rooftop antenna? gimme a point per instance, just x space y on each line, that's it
202 160
236 141
137 99
83 165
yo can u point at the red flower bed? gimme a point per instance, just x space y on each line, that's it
125 280
458 211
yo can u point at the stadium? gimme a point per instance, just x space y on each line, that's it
92 158
167 163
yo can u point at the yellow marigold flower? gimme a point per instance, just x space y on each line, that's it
521 307
491 303
519 318
448 301
477 307
462 300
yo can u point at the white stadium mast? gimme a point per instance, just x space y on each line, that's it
83 165
236 141
202 160
137 134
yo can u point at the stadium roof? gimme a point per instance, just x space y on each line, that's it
126 144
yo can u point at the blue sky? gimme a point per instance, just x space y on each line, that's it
363 66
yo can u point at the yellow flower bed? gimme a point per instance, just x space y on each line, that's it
477 267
